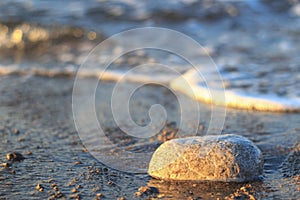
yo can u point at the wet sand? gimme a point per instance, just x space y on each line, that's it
36 112
40 109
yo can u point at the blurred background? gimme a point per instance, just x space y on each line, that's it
253 42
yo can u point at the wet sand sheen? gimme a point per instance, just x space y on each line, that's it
44 119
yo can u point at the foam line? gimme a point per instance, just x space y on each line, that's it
191 84
107 75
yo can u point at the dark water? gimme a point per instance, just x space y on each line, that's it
257 39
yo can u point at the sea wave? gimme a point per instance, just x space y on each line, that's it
256 51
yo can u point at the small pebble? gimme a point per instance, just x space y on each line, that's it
75 196
78 163
109 183
145 190
6 165
39 187
15 156
16 131
59 194
98 196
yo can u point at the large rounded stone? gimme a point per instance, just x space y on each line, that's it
213 157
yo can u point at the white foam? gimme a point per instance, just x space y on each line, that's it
194 86
190 84
104 75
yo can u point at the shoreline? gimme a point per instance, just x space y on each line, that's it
43 117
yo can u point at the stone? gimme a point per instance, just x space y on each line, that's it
145 190
39 187
15 156
6 165
228 158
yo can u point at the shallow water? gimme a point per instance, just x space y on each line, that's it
254 47
254 44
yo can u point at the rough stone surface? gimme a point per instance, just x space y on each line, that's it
214 157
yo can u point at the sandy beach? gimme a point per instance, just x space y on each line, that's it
255 45
56 158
